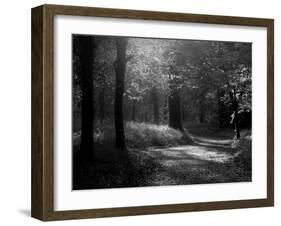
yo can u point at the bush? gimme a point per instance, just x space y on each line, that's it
139 135
243 155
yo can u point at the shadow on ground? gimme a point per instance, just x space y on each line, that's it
206 160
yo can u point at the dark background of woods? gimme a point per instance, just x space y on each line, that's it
178 83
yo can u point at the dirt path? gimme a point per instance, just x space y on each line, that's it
202 162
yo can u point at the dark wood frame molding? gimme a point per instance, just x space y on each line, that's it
42 203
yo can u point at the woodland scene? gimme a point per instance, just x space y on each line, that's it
150 112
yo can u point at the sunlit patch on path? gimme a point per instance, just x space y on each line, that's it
211 142
200 151
197 152
191 163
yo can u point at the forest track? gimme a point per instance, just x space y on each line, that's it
202 162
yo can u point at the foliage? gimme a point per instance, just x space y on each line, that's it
190 85
206 73
141 135
243 155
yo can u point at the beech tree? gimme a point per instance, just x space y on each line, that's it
120 68
87 46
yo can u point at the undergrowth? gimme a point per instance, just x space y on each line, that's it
142 135
243 155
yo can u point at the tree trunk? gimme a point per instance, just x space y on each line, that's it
174 106
221 108
155 103
120 67
235 115
237 127
134 110
87 45
165 111
146 116
101 105
183 112
236 119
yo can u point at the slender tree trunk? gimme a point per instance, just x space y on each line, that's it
146 116
134 110
237 127
101 105
120 67
87 45
221 108
236 120
183 112
165 112
235 115
155 103
174 105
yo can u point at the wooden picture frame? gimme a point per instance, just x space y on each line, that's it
42 205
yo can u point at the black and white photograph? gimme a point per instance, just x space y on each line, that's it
160 112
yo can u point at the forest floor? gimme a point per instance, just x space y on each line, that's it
205 161
210 158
